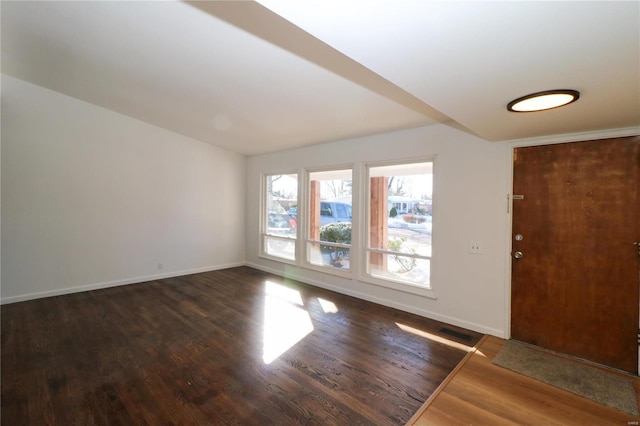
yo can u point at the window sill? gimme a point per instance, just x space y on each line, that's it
277 259
399 286
342 273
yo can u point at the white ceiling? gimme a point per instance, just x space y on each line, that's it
256 78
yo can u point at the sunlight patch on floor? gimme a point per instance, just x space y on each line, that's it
283 293
434 337
285 321
327 306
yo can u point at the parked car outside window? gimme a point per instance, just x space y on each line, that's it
280 224
331 211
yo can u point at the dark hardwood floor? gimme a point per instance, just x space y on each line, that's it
236 346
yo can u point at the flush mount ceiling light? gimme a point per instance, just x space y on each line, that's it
541 101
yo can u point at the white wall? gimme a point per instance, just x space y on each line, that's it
470 201
92 198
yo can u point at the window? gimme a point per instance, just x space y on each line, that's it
280 218
399 217
329 219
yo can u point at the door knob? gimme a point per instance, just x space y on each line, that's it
518 255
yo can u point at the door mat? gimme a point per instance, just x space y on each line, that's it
578 378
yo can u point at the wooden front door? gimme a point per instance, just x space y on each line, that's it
576 216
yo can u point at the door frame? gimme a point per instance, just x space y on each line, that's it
539 141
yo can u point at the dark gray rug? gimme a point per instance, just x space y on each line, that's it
582 379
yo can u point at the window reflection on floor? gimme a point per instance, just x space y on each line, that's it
286 322
327 306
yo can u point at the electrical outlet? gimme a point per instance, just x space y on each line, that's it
159 266
475 247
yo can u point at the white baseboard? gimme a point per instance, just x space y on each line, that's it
288 274
385 302
116 283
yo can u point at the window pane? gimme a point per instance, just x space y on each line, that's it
400 207
330 195
328 255
400 268
280 217
280 247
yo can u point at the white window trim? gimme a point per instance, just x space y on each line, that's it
262 252
304 234
360 219
364 276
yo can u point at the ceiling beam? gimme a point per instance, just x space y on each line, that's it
258 20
